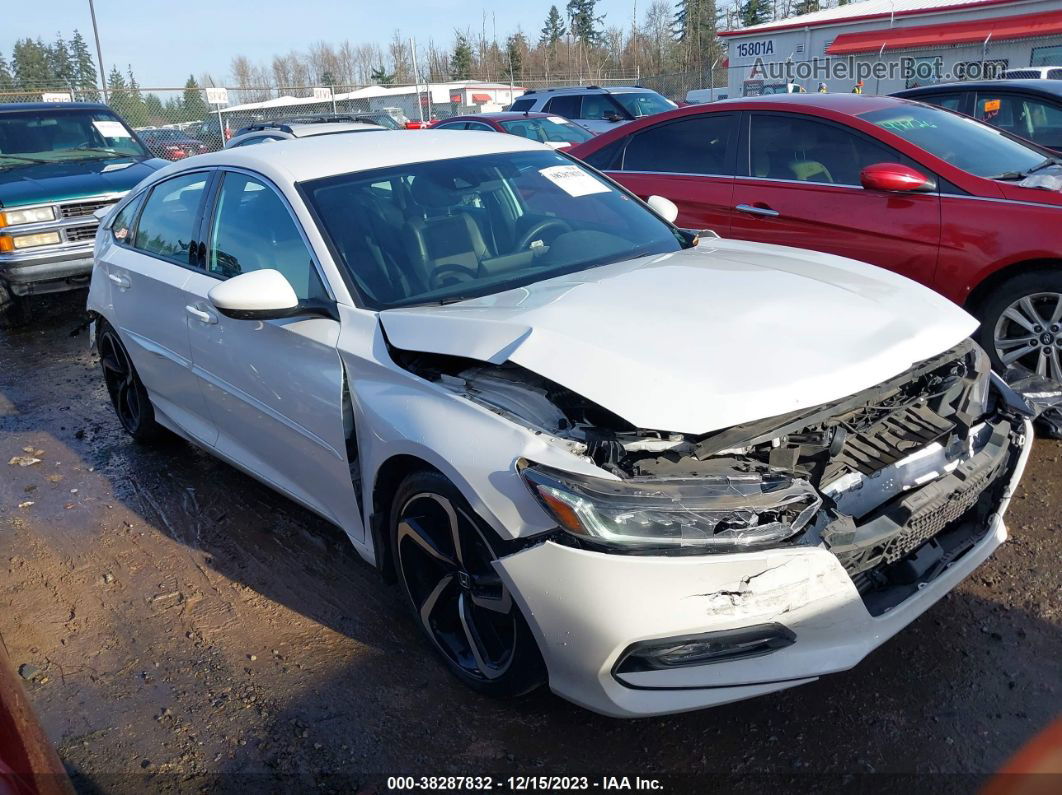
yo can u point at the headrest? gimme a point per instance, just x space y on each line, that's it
428 192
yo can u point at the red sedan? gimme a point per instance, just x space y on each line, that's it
933 195
555 131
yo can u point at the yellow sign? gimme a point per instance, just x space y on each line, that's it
992 105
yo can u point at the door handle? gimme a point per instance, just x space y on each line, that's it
752 210
201 315
121 281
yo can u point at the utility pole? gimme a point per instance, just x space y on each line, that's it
99 52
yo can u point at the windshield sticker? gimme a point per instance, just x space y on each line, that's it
908 124
111 129
992 105
573 180
557 120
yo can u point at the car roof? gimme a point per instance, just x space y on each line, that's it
502 115
850 104
10 106
588 90
327 128
1052 87
289 161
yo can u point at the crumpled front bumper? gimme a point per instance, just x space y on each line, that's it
587 607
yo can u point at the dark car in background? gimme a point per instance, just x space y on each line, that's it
59 164
1030 109
555 131
170 143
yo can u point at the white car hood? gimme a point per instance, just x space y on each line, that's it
700 340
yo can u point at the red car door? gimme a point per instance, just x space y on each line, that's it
690 161
798 185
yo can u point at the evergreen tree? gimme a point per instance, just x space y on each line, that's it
83 67
136 112
381 76
554 29
60 65
7 80
29 63
808 6
584 22
515 46
153 108
194 106
118 93
754 12
461 59
695 25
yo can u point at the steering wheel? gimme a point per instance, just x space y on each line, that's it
457 273
547 223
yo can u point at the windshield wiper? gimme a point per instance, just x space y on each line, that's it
1047 161
25 159
97 149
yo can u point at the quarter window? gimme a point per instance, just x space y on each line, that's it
253 230
796 148
691 146
122 226
567 106
167 226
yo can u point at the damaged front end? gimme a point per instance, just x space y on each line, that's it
898 481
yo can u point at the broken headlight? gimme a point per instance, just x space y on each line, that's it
730 513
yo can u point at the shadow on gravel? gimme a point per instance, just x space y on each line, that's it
958 691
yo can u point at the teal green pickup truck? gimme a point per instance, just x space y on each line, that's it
60 163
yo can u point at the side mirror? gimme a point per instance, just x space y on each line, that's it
665 208
613 117
255 295
895 177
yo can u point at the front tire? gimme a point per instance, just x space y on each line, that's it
1021 324
14 310
444 565
128 395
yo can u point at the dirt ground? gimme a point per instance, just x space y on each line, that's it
193 629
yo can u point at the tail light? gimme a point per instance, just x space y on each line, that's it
416 125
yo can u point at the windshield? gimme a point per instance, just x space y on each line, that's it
970 145
644 103
467 227
553 130
49 136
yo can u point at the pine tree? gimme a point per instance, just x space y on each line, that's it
381 77
554 29
29 63
60 65
84 69
7 80
194 105
136 112
695 24
807 7
515 46
754 12
118 93
461 59
584 22
153 108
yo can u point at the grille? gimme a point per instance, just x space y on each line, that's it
80 209
889 441
79 234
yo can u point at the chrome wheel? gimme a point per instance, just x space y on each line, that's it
1029 334
445 565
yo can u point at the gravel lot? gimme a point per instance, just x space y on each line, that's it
192 628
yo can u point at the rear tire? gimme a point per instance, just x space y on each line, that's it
15 310
443 561
129 397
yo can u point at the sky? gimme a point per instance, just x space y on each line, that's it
166 41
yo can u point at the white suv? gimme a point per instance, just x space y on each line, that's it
597 109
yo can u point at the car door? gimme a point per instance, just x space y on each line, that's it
798 185
689 161
155 241
1034 118
276 389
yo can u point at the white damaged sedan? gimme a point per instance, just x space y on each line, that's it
655 470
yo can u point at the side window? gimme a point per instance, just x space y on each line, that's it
479 126
522 105
598 107
947 101
567 106
168 223
457 125
122 225
692 146
253 230
1027 117
797 148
